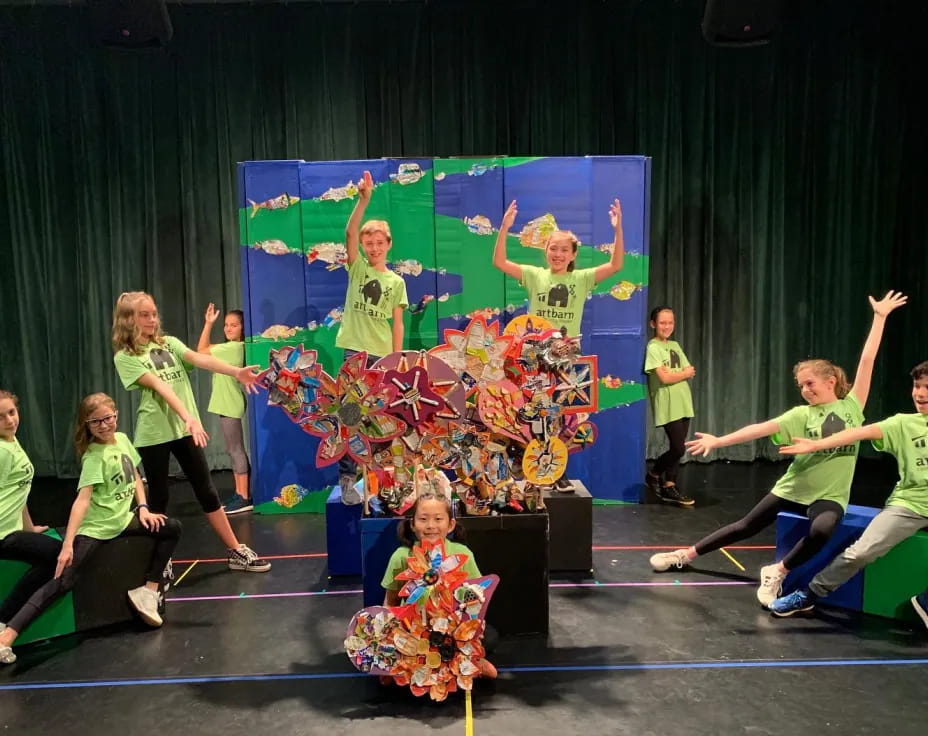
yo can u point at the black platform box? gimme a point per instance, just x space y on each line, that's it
570 547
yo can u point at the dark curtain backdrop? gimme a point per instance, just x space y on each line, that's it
788 180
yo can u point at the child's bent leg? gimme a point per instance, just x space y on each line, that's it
824 516
166 538
758 518
889 527
41 554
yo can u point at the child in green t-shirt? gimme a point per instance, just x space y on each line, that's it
374 304
817 485
429 520
167 422
20 539
102 511
558 293
906 510
669 372
227 400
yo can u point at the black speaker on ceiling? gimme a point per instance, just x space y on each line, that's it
739 23
130 24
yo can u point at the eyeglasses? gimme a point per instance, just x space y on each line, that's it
102 420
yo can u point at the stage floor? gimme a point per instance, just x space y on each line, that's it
630 652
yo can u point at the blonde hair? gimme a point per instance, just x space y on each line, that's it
570 237
89 404
376 226
126 332
826 369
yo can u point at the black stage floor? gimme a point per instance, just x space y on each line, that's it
632 653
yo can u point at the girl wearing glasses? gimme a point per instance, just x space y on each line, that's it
102 511
20 539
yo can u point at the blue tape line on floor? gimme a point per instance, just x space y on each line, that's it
541 668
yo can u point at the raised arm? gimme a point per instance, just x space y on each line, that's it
203 344
353 228
618 246
881 310
191 423
499 250
78 511
803 446
245 376
706 443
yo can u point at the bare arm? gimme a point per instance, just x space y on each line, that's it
881 310
146 517
397 328
668 377
499 250
78 511
802 446
618 246
353 228
191 423
392 598
706 443
245 376
28 526
203 344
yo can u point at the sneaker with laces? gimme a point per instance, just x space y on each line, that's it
771 584
243 558
665 560
145 602
6 655
237 505
653 482
798 601
563 485
672 494
920 604
350 495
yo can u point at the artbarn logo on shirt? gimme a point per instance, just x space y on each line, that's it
159 360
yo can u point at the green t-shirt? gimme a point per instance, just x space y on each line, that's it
16 474
110 469
397 564
672 401
156 422
906 437
558 298
372 296
823 475
227 398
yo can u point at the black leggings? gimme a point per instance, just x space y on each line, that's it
666 465
166 538
37 550
823 515
156 460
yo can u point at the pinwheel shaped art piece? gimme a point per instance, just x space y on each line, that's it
352 413
441 379
433 644
477 353
292 380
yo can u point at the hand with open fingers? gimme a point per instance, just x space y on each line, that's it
152 522
615 214
247 377
366 187
509 216
212 314
703 444
800 446
892 300
193 426
65 557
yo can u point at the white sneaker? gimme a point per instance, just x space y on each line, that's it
243 558
665 560
771 584
145 602
6 655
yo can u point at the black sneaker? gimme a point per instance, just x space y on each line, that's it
562 485
652 482
244 559
672 494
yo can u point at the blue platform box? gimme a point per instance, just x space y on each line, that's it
342 535
792 527
515 547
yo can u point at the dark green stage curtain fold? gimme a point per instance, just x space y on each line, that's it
789 181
